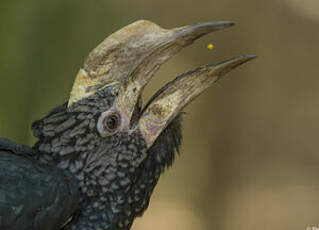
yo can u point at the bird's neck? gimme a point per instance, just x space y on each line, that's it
118 203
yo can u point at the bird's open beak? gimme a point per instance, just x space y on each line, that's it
172 98
129 58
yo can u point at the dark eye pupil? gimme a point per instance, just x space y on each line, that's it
112 122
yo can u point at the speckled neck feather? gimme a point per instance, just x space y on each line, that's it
116 174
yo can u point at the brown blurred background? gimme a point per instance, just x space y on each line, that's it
250 155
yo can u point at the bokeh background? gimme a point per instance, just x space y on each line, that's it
250 155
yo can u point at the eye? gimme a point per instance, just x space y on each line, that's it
109 123
112 122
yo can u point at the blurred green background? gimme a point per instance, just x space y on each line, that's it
249 158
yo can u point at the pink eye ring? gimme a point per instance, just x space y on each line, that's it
109 123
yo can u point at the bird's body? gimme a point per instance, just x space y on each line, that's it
99 156
33 195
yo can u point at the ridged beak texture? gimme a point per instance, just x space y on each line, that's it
130 57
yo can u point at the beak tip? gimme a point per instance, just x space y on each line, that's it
198 30
214 26
241 59
247 58
226 66
250 57
221 24
229 23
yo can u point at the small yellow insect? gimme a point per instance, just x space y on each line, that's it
210 46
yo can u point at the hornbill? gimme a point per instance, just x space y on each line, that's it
99 155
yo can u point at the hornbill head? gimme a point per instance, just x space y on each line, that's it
115 148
